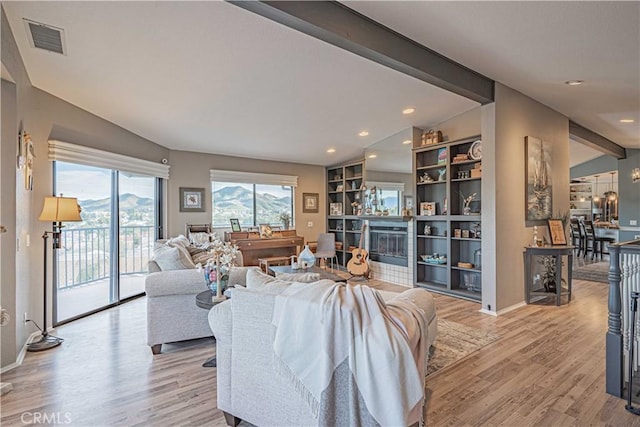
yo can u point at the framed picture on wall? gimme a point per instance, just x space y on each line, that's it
310 202
191 199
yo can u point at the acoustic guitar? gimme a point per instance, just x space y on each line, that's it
357 265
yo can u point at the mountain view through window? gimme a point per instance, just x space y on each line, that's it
252 204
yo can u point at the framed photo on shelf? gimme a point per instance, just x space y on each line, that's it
556 232
335 209
235 225
265 231
310 202
442 156
427 208
191 199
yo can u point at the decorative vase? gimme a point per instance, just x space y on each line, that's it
306 258
466 210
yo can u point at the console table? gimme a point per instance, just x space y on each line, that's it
558 252
282 244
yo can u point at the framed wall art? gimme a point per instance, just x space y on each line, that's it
191 199
310 202
538 167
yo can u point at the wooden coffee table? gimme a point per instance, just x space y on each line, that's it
324 273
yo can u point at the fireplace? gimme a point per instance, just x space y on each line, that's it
388 242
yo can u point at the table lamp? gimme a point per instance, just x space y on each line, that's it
56 210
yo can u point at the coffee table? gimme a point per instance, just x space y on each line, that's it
323 272
205 300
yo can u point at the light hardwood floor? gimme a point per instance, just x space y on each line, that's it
547 369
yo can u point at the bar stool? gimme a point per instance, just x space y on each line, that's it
577 237
597 242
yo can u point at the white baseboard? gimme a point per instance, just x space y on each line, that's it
21 354
504 310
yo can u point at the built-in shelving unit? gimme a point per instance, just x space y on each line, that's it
344 183
580 200
445 174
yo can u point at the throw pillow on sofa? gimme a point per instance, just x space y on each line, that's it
172 257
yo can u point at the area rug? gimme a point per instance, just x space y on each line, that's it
455 342
596 272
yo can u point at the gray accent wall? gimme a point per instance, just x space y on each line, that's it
9 129
503 188
628 191
43 116
628 195
599 165
189 169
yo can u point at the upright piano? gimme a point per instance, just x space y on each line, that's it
281 243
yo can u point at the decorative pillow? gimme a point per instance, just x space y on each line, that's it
199 239
172 257
180 240
299 277
202 257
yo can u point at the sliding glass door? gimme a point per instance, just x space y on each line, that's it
137 213
103 259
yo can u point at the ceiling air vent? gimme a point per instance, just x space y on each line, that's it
45 36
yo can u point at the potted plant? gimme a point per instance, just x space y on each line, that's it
548 275
286 220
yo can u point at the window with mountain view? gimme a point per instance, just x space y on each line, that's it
252 204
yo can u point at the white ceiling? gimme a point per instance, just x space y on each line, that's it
212 77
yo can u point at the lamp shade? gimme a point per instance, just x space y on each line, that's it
59 209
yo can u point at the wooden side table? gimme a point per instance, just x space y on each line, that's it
557 252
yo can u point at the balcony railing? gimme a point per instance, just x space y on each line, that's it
85 255
624 277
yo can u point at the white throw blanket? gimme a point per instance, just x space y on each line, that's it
319 325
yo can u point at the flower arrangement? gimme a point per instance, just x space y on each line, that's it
223 256
466 201
286 219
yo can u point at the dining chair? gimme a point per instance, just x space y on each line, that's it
326 248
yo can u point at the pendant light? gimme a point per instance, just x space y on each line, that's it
612 194
596 198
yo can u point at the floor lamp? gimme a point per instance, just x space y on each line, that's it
56 210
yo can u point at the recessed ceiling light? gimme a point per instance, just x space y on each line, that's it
331 150
406 142
574 82
409 110
363 133
627 120
373 156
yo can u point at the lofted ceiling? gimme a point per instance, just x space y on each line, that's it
211 77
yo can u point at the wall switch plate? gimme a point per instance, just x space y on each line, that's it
633 222
309 224
28 240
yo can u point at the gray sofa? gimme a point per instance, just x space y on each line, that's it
172 314
247 386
